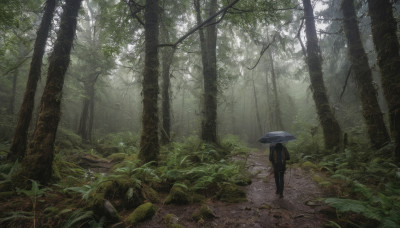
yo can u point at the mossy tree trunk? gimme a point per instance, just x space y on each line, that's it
11 103
167 55
149 145
208 45
19 143
37 164
330 126
373 116
87 115
383 27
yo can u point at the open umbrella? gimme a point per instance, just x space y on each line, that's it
276 137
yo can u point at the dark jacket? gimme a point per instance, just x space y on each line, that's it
278 156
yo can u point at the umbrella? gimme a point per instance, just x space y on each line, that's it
276 137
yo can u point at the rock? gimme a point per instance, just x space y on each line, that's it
110 212
203 213
177 195
231 193
171 221
309 165
141 213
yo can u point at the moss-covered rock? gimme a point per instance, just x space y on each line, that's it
309 165
118 157
178 195
141 213
171 221
110 212
150 194
231 193
107 150
204 212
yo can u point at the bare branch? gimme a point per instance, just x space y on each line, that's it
265 47
345 83
301 42
205 22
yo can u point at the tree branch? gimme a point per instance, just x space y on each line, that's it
262 53
134 13
205 22
345 83
301 42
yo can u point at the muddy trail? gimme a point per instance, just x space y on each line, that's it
298 208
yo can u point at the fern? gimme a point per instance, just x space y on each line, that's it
78 218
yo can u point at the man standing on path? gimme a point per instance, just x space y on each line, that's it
278 155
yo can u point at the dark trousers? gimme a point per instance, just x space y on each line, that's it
279 180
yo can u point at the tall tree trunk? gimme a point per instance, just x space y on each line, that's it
270 114
208 44
11 105
277 107
373 116
19 143
383 27
83 120
330 126
149 146
37 165
167 57
91 114
256 105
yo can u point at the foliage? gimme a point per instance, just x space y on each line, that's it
360 180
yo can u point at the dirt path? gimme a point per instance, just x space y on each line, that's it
264 208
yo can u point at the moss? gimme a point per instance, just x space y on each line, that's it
150 194
118 157
231 193
266 206
141 213
177 195
171 221
122 192
203 213
107 150
309 165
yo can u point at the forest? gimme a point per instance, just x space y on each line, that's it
151 113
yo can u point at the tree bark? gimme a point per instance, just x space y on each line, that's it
277 107
330 126
11 105
37 165
19 143
383 27
208 44
373 116
167 57
256 105
149 145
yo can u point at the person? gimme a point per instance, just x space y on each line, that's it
278 155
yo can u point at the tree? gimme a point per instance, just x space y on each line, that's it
149 146
330 126
167 55
383 27
37 164
208 45
373 116
19 143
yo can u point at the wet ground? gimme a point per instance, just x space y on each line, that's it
299 207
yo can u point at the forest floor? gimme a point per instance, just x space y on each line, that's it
299 207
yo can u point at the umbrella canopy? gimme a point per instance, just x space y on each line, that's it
276 137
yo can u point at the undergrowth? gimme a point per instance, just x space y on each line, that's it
360 182
199 169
